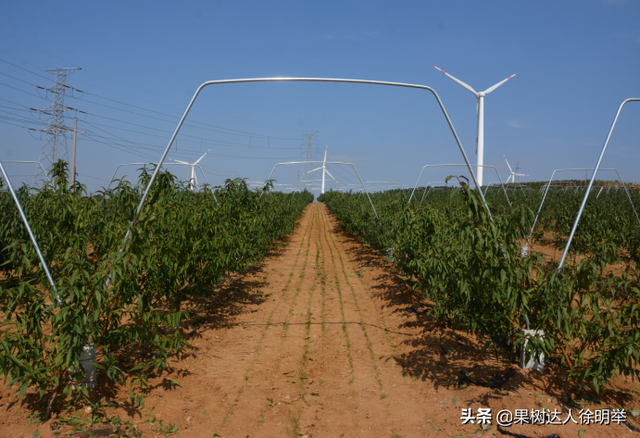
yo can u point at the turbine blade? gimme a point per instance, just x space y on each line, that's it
468 87
331 176
178 161
505 159
202 156
311 171
489 90
325 153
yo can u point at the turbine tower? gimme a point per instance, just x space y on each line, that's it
324 170
480 111
193 179
513 175
54 145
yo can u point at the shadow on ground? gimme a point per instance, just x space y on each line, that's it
439 353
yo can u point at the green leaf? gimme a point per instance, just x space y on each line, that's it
23 389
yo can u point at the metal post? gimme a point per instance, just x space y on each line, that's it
593 177
73 158
31 236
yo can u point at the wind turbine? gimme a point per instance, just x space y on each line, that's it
480 111
513 175
324 170
193 179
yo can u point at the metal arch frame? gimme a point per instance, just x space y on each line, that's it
31 236
299 79
164 164
33 162
330 162
461 165
578 169
593 178
429 188
512 186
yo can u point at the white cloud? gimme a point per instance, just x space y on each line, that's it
517 124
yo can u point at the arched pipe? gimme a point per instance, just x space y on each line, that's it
330 162
33 162
577 169
285 79
460 165
593 178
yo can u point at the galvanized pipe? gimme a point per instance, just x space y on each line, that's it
578 169
284 79
165 164
32 162
31 236
459 165
330 162
595 172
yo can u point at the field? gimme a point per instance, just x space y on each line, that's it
319 335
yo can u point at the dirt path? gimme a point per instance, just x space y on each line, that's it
314 358
325 340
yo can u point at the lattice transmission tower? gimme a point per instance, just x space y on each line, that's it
308 156
54 145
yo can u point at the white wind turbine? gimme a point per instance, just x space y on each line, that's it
480 111
513 175
193 179
324 170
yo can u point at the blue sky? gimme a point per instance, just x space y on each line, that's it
142 62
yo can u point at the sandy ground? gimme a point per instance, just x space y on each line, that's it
324 339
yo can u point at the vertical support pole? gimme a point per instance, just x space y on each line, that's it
73 159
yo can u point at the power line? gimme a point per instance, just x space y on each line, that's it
196 139
192 123
22 91
22 68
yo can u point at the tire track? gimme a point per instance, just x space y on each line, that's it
232 407
278 361
410 394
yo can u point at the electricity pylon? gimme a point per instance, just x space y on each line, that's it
308 156
54 146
